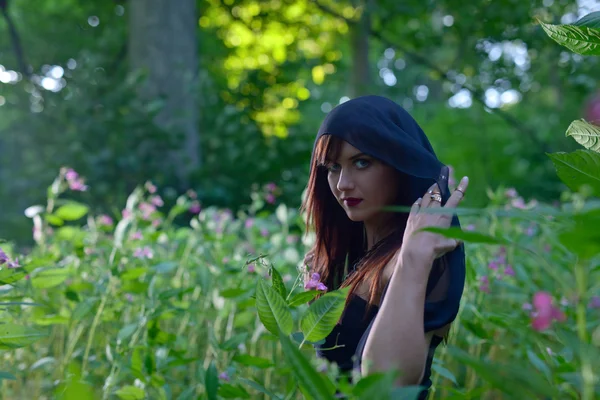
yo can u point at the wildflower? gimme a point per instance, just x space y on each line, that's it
150 187
493 265
251 268
143 252
147 209
195 207
594 302
510 193
545 313
3 257
156 223
105 220
314 283
224 376
126 213
157 201
271 186
270 198
13 264
74 181
71 175
249 223
485 284
192 194
264 232
508 270
137 235
518 203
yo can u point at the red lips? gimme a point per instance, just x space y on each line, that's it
352 201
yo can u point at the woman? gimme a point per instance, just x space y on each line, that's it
405 285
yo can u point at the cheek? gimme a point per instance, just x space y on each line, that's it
331 179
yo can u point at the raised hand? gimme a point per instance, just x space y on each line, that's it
429 245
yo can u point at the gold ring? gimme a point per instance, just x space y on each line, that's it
459 190
436 197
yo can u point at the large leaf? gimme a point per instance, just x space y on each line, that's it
252 361
15 336
316 385
259 387
592 20
278 284
50 277
585 134
583 236
302 298
130 393
579 39
321 317
71 211
211 381
578 168
272 309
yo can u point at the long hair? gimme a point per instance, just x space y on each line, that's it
339 244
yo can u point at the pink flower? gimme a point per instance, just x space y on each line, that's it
264 232
545 312
314 283
251 268
493 265
271 186
147 209
143 252
78 186
485 284
105 220
71 175
3 257
156 223
518 203
150 187
195 207
508 270
192 194
470 227
136 235
13 264
249 223
74 181
126 213
270 198
157 201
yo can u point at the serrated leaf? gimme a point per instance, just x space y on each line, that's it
585 134
48 278
322 315
131 393
302 298
578 168
71 211
15 336
579 39
252 361
278 284
316 385
272 309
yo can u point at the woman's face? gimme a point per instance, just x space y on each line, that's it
361 184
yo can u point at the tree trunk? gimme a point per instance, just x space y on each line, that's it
163 42
359 40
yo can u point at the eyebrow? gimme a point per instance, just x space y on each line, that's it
357 155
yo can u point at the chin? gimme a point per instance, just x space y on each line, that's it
355 216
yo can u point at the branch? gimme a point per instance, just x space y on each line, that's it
478 94
15 40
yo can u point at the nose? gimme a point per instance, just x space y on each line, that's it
345 182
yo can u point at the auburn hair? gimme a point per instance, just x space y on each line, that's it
339 244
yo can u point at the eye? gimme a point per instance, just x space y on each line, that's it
333 167
362 163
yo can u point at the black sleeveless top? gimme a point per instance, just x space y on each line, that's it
349 332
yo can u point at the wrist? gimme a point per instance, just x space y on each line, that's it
416 264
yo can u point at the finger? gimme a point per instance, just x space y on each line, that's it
426 196
435 197
416 206
459 193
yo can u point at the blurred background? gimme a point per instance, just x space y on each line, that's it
221 95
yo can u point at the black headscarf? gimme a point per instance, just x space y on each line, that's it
382 129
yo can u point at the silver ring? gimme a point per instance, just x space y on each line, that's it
436 197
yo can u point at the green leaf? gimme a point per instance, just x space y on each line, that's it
585 134
212 381
579 39
228 391
234 341
322 315
578 168
442 371
278 284
302 298
15 336
272 309
83 309
316 385
259 387
134 273
373 385
54 220
71 211
48 278
252 361
131 393
8 276
126 331
467 236
592 20
232 293
7 375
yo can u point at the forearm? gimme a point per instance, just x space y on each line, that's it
397 339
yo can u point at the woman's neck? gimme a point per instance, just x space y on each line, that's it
375 231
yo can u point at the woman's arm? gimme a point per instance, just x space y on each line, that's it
397 339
